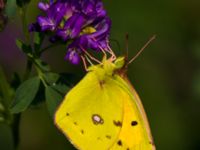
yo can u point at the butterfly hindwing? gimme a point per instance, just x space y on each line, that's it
134 134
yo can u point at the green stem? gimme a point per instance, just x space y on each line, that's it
16 118
28 69
25 24
40 74
48 47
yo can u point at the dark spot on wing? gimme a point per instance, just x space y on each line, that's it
108 136
67 114
82 131
134 123
75 123
127 149
117 123
119 143
97 119
101 82
98 138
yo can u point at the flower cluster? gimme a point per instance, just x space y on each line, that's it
83 23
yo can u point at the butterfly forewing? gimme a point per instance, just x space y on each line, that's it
91 114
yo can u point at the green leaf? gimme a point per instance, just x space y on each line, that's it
38 39
53 99
19 43
42 65
22 46
61 88
51 78
25 94
40 96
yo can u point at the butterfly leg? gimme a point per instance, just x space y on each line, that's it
90 56
84 63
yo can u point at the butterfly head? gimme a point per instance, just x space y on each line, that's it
108 67
119 62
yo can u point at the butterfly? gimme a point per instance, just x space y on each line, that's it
104 112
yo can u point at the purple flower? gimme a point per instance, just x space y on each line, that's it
82 22
43 6
97 40
73 53
55 14
72 27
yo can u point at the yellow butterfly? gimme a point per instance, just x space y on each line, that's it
104 112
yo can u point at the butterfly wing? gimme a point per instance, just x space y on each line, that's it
135 133
91 113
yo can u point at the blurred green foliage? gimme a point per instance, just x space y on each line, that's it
166 75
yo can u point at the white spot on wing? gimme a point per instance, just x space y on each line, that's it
97 119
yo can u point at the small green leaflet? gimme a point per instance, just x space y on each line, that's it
51 78
25 94
55 92
22 46
42 65
61 88
53 99
38 39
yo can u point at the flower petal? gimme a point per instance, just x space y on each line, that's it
43 6
73 57
46 23
72 27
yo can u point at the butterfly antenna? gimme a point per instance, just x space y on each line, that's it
126 45
142 49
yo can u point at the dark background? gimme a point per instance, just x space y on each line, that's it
166 75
